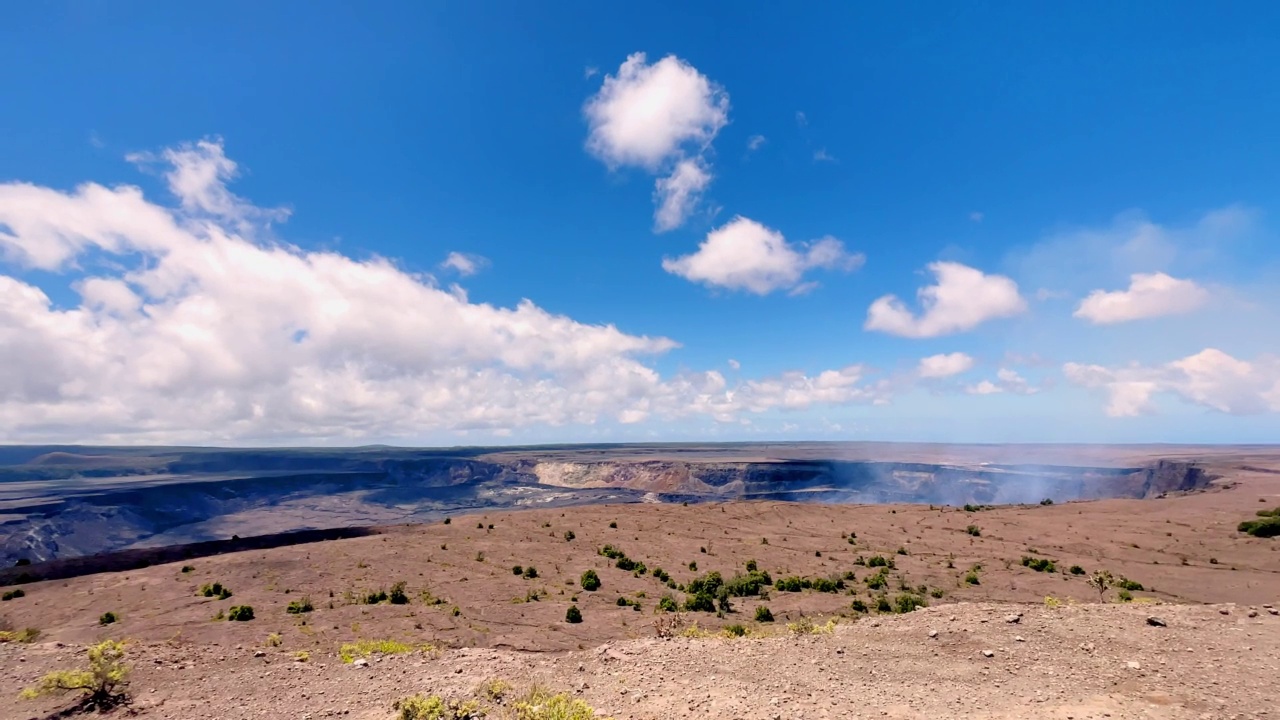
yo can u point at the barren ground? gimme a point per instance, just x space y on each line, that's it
1072 661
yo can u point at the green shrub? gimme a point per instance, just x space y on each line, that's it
1047 501
374 597
763 614
240 613
573 614
590 581
907 602
398 595
101 683
735 630
530 573
613 525
902 551
752 566
517 570
972 578
568 535
298 607
709 584
879 581
448 521
667 604
858 606
1124 595
693 566
1039 564
215 590
107 618
1267 527
883 605
365 648
187 569
542 705
700 602
974 530
13 595
748 585
1127 584
1076 570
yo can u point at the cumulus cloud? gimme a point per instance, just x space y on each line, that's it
1210 378
940 366
1006 381
986 387
678 194
464 264
661 117
190 329
745 255
962 299
755 142
1149 295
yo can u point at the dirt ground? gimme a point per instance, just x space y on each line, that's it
1072 661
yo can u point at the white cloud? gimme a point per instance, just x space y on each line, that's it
192 329
589 72
976 216
678 194
801 119
1210 378
821 155
963 299
940 366
986 387
1006 381
755 142
745 255
734 364
647 114
464 264
660 117
1149 295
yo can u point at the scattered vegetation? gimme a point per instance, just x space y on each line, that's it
590 581
530 573
568 535
215 590
974 530
240 613
1124 596
275 640
668 604
298 607
13 595
1076 570
26 635
543 705
421 707
806 626
1039 564
187 569
880 561
1266 526
907 602
349 652
398 596
1101 581
102 684
858 606
1125 583
517 570
573 614
977 508
763 614
1047 501
107 618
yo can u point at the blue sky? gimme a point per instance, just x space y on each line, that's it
1091 191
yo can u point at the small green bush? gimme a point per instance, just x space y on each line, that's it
735 630
974 530
972 578
517 570
763 614
700 602
667 604
613 525
240 613
1267 527
1127 584
907 602
1124 596
859 606
215 590
298 607
398 595
573 614
107 618
590 581
568 535
13 595
1039 564
187 569
1076 570
883 605
530 573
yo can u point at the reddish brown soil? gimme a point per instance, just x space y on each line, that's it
1183 549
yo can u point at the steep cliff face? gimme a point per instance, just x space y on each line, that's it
314 490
